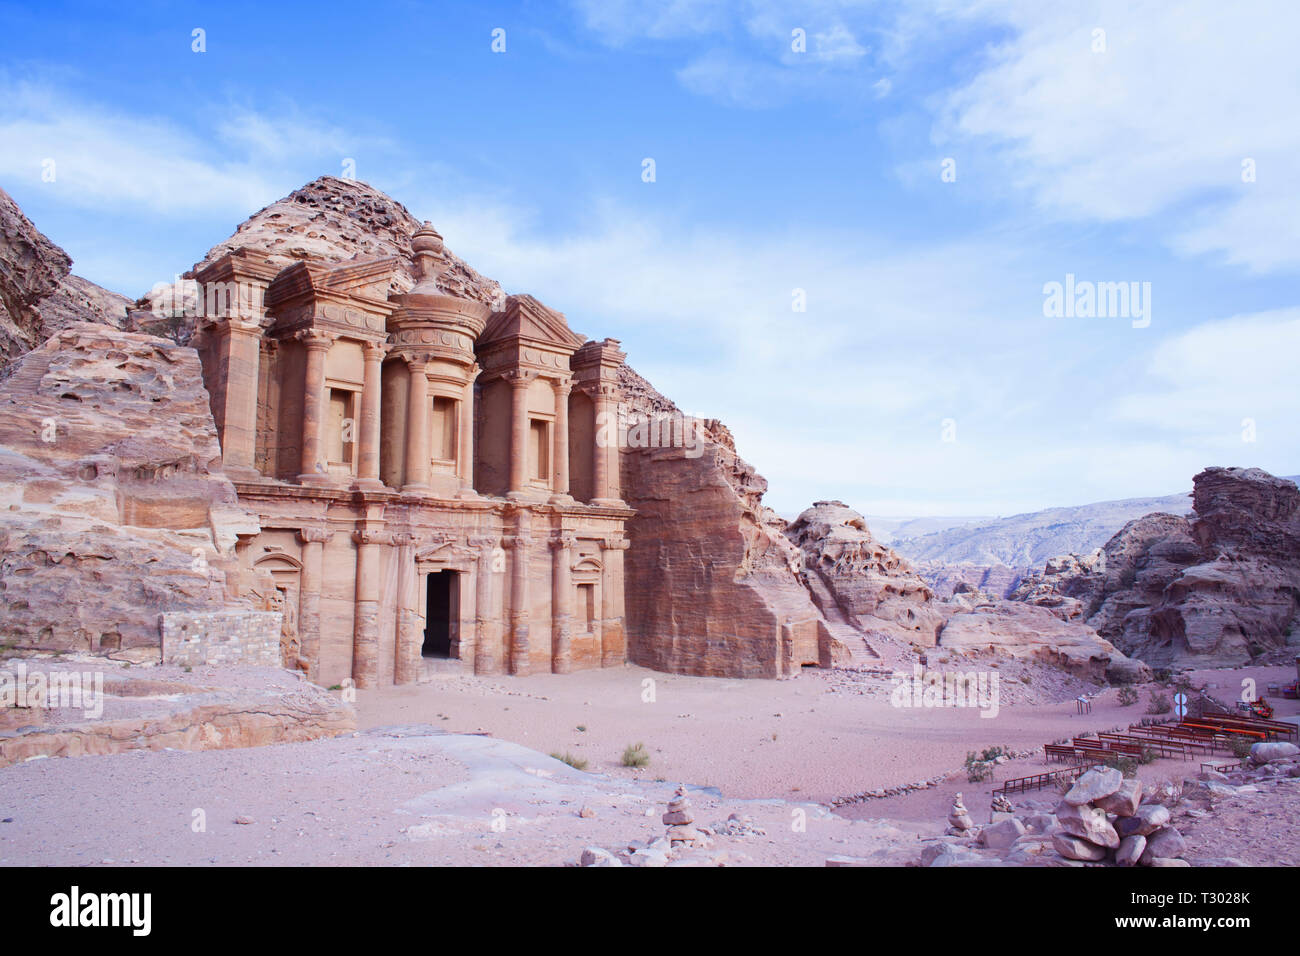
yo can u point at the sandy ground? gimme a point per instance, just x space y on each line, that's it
456 772
797 739
402 796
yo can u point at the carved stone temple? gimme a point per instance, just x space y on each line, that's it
430 474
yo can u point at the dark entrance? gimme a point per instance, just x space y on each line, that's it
439 613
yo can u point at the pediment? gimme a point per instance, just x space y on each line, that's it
524 319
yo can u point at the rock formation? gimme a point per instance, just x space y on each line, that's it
716 583
38 294
327 220
856 580
1219 589
713 583
1024 631
117 508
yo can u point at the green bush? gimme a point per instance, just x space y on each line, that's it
635 756
1159 704
1127 696
577 763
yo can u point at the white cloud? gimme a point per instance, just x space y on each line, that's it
1165 115
106 159
1203 383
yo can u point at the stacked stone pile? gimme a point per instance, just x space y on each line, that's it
1103 818
959 820
671 849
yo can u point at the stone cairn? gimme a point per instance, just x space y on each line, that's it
959 820
1001 804
1102 818
680 819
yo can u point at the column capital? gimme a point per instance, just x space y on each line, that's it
372 536
561 541
404 539
316 339
483 542
615 543
519 377
417 361
516 542
375 350
563 384
314 535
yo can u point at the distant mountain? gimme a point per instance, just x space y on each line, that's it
1029 540
889 530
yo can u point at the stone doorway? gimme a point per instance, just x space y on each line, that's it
441 612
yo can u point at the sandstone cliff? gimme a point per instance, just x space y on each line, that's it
38 294
1220 588
116 508
712 583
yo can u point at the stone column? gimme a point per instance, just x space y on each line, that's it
560 446
487 631
309 586
410 638
368 459
561 603
365 632
417 427
605 490
243 348
613 639
466 434
314 468
519 382
520 660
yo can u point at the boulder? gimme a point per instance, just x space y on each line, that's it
1130 850
1124 801
1076 848
595 856
1094 785
1087 822
1267 752
1001 835
1163 845
1148 818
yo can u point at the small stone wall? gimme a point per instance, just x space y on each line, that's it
192 638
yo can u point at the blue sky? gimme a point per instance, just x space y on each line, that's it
924 376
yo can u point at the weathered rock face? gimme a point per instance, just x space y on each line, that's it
1220 589
116 509
328 220
1024 631
856 579
38 294
712 582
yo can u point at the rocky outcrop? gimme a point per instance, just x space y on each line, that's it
215 709
1017 630
116 507
1219 589
712 583
38 294
328 220
856 579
